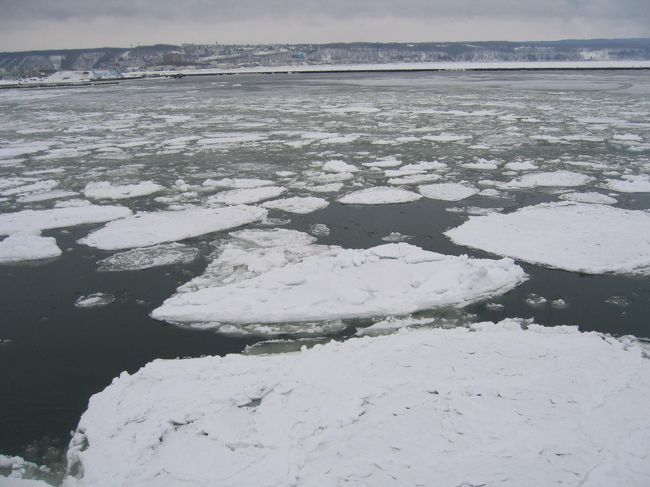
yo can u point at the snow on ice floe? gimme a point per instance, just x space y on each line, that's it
245 196
299 281
489 405
46 196
337 166
146 229
589 238
300 205
37 220
447 191
549 179
389 161
237 183
20 247
147 257
630 184
94 300
379 195
589 197
104 190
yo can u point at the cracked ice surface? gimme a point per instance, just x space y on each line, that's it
578 237
287 279
490 405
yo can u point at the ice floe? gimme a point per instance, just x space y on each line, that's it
146 229
147 257
236 183
447 191
589 197
104 190
334 283
379 195
45 196
577 237
549 179
20 247
94 300
246 196
300 205
630 184
339 166
490 405
37 220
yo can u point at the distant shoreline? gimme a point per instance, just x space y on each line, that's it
345 69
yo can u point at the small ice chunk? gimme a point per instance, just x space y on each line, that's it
337 166
104 190
94 300
535 300
246 196
447 191
147 257
392 324
298 205
146 229
20 247
379 195
559 304
319 230
396 237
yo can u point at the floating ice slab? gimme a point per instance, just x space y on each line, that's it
495 406
37 220
94 300
147 257
549 179
45 196
447 191
146 229
27 246
236 183
31 188
576 237
591 197
246 196
379 195
630 184
339 166
106 191
298 205
395 278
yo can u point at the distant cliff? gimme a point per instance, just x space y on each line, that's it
36 63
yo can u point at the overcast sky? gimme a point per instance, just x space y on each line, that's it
53 24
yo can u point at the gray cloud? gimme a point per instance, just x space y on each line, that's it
27 10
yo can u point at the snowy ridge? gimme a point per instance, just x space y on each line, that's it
495 406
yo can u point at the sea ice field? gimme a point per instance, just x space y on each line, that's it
327 279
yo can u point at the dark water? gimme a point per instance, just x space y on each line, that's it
55 356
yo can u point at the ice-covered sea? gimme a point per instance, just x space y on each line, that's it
257 214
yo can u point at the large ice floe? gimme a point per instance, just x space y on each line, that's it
280 276
549 179
379 195
37 220
146 229
589 238
106 191
491 405
246 196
